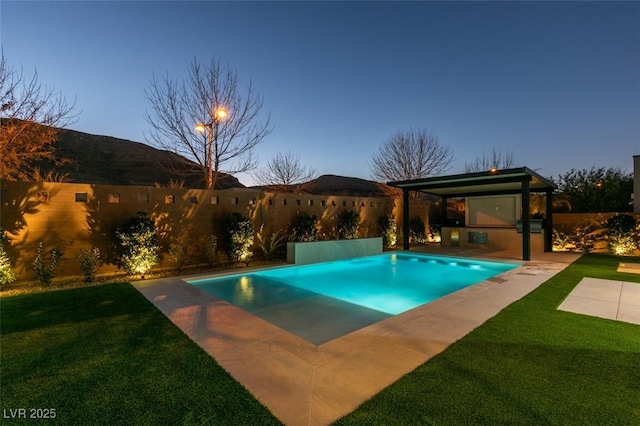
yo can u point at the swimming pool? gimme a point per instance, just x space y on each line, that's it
342 296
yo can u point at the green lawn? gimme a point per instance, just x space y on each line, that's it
531 364
105 355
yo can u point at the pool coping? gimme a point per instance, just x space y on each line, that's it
304 384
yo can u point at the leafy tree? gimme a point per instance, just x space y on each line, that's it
348 224
596 190
240 237
388 230
411 154
497 159
417 230
304 227
284 172
30 116
139 250
207 119
621 228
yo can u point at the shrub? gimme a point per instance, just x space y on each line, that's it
348 224
388 231
178 253
139 250
435 233
620 230
239 238
417 231
210 249
89 263
304 227
7 276
271 248
45 274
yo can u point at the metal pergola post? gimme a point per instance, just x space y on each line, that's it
405 219
548 228
526 222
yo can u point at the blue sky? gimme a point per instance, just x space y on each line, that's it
557 83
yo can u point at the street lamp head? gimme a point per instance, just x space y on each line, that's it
221 114
201 127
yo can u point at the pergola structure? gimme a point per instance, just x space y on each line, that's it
520 180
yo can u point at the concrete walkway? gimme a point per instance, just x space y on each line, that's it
304 384
615 300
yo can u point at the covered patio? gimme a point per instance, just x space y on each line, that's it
517 181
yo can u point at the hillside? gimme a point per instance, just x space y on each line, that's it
341 185
112 161
107 160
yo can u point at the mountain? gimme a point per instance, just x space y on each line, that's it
107 160
111 161
340 185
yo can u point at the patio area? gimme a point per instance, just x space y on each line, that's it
304 384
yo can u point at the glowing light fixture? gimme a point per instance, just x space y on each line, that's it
221 113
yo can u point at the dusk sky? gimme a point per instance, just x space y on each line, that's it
557 83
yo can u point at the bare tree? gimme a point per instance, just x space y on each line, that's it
411 154
30 117
207 119
284 172
497 160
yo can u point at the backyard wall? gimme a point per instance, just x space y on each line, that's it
572 230
74 216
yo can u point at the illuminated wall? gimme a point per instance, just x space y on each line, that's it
74 216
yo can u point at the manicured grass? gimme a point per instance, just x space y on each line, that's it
105 355
531 364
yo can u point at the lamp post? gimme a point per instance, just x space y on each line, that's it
212 135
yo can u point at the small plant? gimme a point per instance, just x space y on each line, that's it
417 231
304 227
348 224
89 263
388 231
562 241
275 242
210 249
435 235
138 245
7 276
239 238
620 233
178 254
46 273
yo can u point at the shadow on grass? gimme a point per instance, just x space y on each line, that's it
105 355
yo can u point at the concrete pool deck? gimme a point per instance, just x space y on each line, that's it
305 384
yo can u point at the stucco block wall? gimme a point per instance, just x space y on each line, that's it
49 213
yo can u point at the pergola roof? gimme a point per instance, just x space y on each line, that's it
507 181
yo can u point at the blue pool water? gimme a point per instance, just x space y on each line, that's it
391 283
323 301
